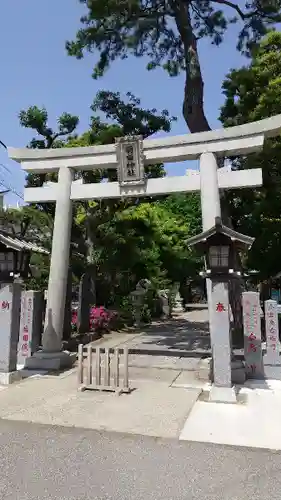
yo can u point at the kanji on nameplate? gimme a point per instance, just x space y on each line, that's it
272 333
221 335
9 326
30 325
252 335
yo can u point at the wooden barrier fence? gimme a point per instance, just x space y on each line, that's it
99 370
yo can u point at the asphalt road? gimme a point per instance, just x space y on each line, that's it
47 463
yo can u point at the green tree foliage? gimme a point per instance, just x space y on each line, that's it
37 119
123 117
122 241
126 116
141 240
254 93
167 33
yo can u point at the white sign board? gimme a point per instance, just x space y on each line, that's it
252 335
9 326
220 333
272 332
25 334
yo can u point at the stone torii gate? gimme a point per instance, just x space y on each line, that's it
129 156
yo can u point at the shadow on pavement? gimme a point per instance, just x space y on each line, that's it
174 337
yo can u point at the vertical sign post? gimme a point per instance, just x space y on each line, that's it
252 335
221 390
30 325
221 335
9 326
272 333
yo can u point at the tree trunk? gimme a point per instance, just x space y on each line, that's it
193 112
193 103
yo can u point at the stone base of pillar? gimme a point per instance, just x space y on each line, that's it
222 395
238 373
7 378
50 360
205 371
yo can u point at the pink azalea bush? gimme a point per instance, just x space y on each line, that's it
101 319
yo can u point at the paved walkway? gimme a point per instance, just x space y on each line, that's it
152 408
166 401
50 463
184 335
176 344
159 403
155 408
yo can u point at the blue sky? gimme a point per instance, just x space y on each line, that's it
37 71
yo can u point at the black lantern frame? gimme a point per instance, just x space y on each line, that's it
220 246
15 255
13 263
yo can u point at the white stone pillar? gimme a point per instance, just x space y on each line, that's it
51 357
222 389
52 336
209 188
210 202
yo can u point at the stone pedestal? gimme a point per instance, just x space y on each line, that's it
30 325
252 336
42 360
205 371
10 301
222 395
51 357
238 375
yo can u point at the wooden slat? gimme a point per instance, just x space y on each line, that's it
89 365
80 364
110 388
116 368
102 382
126 368
106 368
98 367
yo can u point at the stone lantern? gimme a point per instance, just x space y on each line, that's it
15 254
220 246
138 301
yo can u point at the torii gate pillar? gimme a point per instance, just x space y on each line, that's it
51 357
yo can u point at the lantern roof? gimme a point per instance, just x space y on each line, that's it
242 241
18 244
